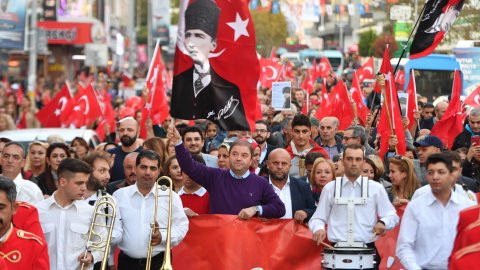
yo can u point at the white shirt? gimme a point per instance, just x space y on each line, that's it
136 213
27 191
285 196
335 216
199 192
428 231
458 189
66 231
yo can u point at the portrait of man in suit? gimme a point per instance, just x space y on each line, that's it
201 91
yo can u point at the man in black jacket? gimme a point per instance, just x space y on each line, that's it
464 139
261 135
295 194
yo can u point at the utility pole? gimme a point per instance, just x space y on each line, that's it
149 29
32 58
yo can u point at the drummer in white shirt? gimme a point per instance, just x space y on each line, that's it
366 223
13 160
429 223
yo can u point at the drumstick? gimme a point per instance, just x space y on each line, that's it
327 245
373 235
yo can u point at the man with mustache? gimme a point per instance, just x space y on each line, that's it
130 176
23 250
127 132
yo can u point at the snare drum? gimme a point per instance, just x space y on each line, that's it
348 258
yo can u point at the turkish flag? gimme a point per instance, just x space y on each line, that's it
325 105
156 107
270 71
19 94
307 83
84 109
437 18
216 77
357 97
400 77
451 123
49 115
338 105
366 71
473 99
324 68
390 116
412 99
107 118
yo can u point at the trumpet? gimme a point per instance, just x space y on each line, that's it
95 239
167 264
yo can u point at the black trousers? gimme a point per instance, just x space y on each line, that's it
127 263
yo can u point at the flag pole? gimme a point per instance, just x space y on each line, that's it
381 81
408 40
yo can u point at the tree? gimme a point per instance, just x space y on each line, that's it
381 42
270 30
365 45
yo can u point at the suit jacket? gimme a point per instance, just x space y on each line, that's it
302 197
220 101
115 185
269 149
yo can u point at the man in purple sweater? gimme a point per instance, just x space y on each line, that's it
234 191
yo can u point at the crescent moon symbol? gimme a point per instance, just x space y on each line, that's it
370 69
476 99
87 105
274 73
63 102
322 67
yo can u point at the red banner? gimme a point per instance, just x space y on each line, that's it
225 242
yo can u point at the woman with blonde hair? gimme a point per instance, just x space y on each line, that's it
323 171
6 122
35 162
373 168
404 180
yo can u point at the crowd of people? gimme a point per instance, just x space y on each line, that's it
290 166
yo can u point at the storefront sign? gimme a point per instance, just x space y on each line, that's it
66 32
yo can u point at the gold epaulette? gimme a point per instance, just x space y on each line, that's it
466 250
24 204
29 236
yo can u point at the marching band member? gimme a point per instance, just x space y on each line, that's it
136 205
26 218
99 161
428 227
365 222
65 218
19 250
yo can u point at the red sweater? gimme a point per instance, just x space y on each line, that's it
198 204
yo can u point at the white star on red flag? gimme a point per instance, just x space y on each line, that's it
239 26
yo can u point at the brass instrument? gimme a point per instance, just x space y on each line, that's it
105 202
167 264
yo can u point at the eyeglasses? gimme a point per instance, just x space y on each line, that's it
399 157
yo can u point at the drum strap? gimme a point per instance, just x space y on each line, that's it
350 203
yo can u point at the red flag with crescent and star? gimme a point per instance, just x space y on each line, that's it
270 71
473 99
49 115
156 105
83 110
324 68
412 99
451 123
216 69
357 97
366 71
390 116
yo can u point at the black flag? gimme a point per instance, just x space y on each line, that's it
436 20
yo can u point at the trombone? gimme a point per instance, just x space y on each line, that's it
167 264
101 210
